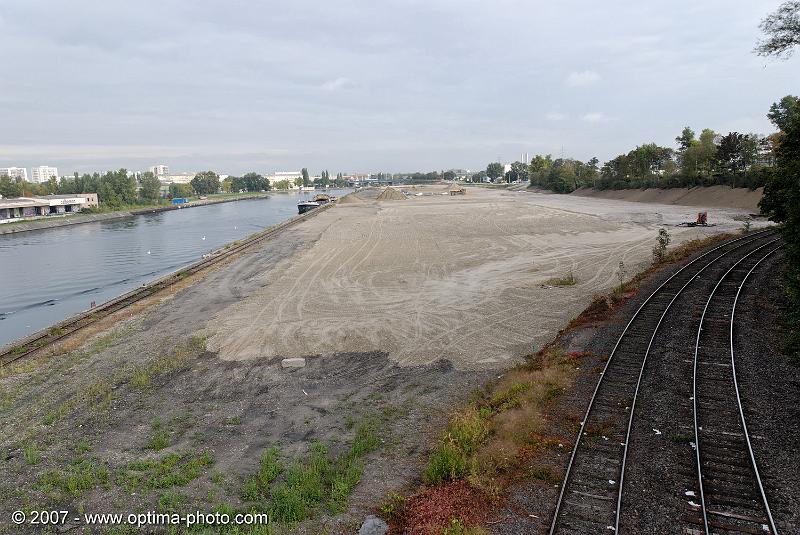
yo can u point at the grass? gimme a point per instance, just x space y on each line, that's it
291 494
487 438
166 364
172 470
160 438
269 468
31 453
171 502
81 475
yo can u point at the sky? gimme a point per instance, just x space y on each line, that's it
357 85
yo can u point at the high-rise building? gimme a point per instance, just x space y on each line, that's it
43 173
161 171
19 173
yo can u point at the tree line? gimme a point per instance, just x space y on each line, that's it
120 189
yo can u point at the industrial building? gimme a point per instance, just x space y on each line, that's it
15 208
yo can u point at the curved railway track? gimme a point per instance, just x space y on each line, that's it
590 497
732 497
45 338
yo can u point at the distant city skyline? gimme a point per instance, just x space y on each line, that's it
393 87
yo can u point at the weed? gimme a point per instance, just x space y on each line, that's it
160 438
236 420
81 475
393 505
447 462
509 398
59 412
173 470
544 473
31 453
269 468
140 379
660 248
681 439
310 482
83 446
349 422
98 395
457 527
365 440
170 502
566 280
287 504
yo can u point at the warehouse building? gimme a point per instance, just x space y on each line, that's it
16 208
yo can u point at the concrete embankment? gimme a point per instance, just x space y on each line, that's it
711 196
76 219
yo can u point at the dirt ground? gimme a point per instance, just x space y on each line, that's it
402 308
464 278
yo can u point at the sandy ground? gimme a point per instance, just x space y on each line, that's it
462 278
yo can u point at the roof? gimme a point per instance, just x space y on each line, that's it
21 202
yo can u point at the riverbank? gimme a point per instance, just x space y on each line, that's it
76 219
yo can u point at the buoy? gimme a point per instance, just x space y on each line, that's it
148 251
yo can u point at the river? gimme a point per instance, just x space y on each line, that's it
48 275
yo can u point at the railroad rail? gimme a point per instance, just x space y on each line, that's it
732 497
590 497
45 338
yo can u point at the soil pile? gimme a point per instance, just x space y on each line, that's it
391 194
351 199
712 196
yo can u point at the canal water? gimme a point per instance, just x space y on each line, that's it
48 275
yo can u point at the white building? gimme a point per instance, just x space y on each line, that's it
181 178
161 171
43 173
19 173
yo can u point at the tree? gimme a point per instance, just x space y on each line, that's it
253 182
494 170
686 139
782 29
9 187
306 179
478 177
448 176
298 181
781 202
179 190
149 187
205 183
729 153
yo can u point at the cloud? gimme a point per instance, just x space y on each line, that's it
338 83
582 78
555 116
596 117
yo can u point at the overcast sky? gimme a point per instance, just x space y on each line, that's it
365 85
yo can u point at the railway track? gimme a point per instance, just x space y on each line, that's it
732 497
590 498
46 338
